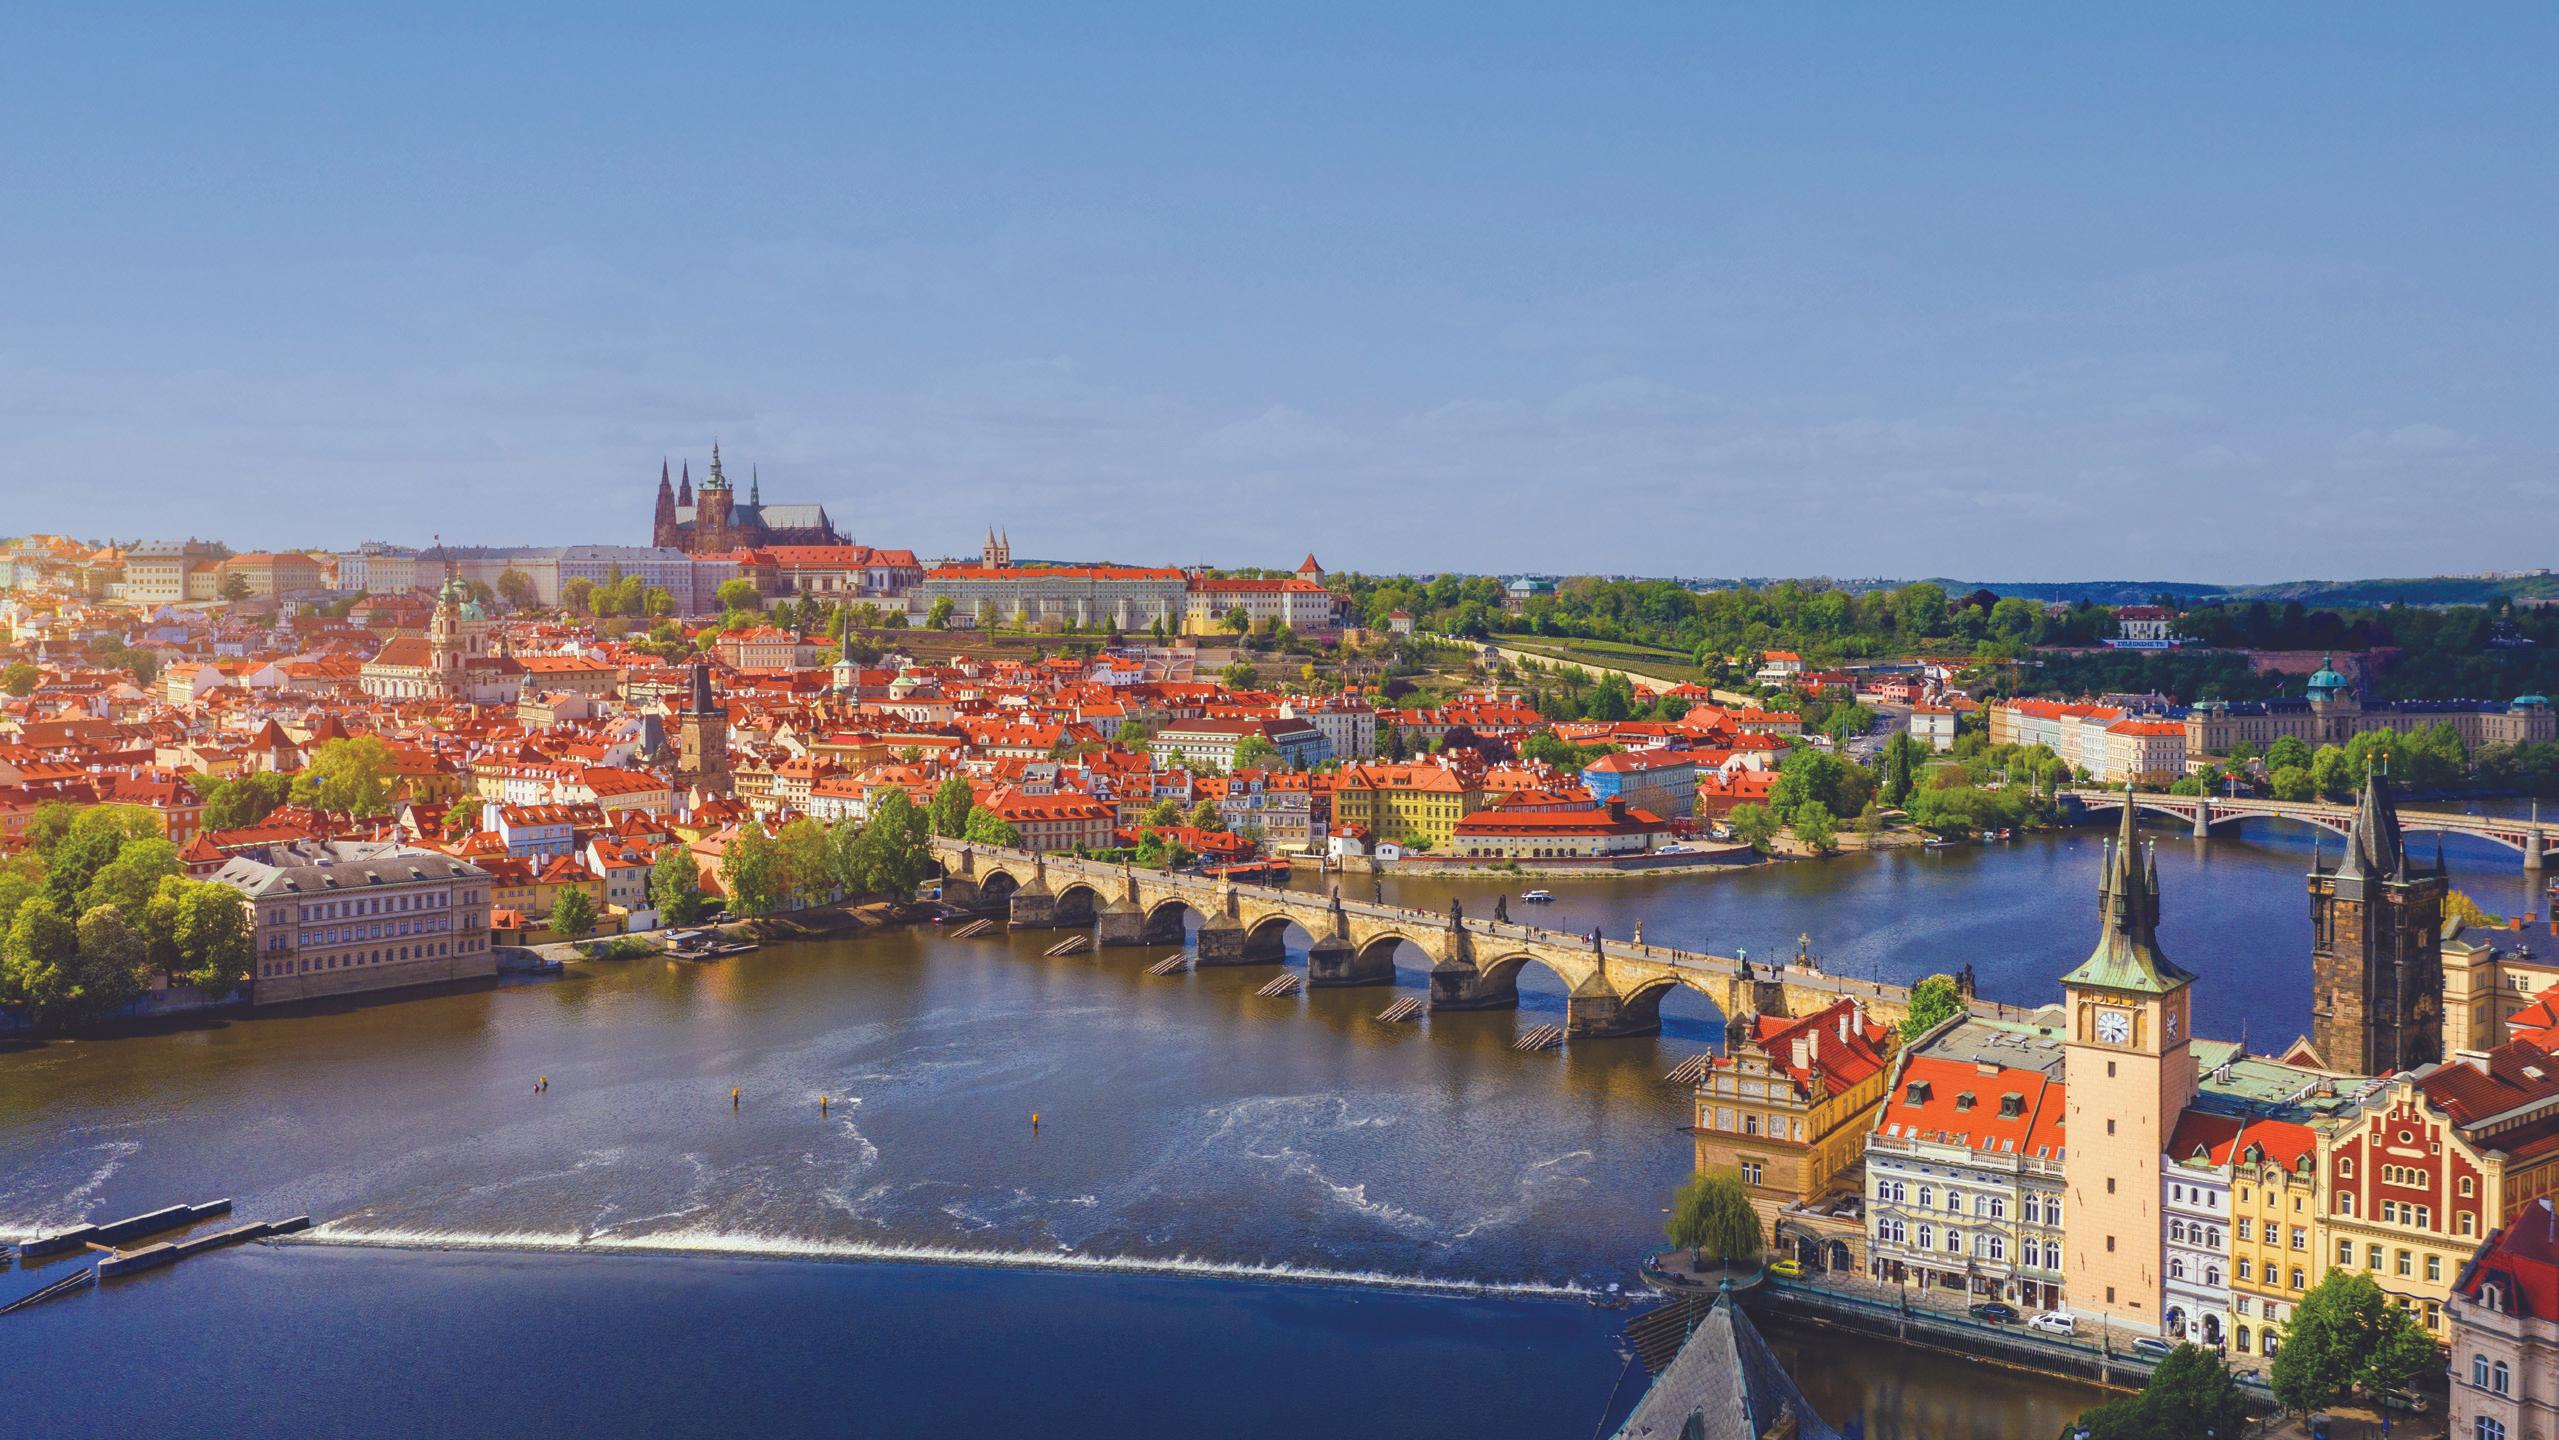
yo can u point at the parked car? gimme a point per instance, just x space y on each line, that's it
2154 1347
2054 1322
1993 1312
2407 1400
1791 1269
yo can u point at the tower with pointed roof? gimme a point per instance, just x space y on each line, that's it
2376 947
999 550
702 735
2128 1072
663 533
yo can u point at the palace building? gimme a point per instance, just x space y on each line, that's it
2332 713
714 522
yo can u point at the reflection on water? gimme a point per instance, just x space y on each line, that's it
1187 1123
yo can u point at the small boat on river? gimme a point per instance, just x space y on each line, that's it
1538 897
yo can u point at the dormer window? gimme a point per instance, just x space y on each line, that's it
1916 1094
1964 1101
2012 1105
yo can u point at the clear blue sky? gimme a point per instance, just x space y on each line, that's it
2227 292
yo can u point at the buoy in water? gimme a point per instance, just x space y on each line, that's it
1035 1122
733 1094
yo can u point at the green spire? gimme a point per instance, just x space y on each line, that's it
2127 956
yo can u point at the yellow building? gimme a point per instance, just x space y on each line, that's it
1790 1102
2129 1071
2275 1240
1416 805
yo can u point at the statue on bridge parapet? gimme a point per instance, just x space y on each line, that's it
1501 909
1456 912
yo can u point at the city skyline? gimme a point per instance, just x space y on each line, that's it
1957 285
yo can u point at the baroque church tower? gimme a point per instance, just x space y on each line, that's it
2128 1073
2376 948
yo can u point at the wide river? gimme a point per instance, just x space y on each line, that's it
1258 1215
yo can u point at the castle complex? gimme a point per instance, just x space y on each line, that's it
714 522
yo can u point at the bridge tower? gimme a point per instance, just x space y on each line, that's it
2376 949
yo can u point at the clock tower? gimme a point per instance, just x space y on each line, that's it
2128 1072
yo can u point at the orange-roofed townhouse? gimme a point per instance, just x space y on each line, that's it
1546 825
1789 1105
761 648
1964 1168
2146 752
614 789
1778 667
793 780
625 866
1060 822
542 832
570 674
1347 722
1415 805
2505 1332
1661 781
2435 1159
1719 794
2274 1229
561 875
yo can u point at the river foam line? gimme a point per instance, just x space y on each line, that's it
694 1242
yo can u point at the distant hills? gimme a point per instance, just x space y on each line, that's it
2335 594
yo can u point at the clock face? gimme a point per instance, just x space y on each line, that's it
2114 1026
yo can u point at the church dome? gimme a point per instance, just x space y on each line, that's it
2326 681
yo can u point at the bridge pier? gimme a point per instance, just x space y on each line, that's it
1336 963
2203 817
1225 941
1120 924
1033 908
2535 847
1606 1017
1463 987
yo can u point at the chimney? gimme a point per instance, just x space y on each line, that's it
1803 1052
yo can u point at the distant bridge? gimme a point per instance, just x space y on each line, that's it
1614 987
2205 812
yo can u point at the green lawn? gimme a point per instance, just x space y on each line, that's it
1640 659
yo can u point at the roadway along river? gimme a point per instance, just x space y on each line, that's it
1193 1136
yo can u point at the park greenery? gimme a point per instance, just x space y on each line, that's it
97 905
1711 1215
805 863
1933 1002
2346 1336
2190 1394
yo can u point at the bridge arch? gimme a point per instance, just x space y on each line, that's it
1641 1003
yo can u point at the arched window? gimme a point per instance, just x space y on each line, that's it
2497 1377
1927 1236
2479 1371
2487 1428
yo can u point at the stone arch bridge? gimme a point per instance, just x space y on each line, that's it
1614 987
2205 813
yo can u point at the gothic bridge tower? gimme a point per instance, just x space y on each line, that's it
2376 948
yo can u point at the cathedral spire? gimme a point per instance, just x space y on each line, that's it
684 492
755 485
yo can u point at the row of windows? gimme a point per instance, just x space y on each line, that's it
2489 1375
2403 1263
377 905
2275 1233
2207 1236
2205 1197
308 964
2038 1209
2274 1274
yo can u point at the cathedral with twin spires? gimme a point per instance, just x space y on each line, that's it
714 522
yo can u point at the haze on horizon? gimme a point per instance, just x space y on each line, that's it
2184 294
